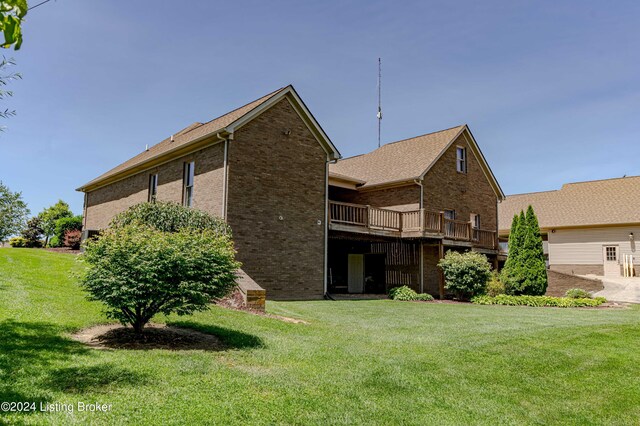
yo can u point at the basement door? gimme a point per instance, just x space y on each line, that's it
610 258
355 273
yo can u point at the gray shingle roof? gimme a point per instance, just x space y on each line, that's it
592 203
399 161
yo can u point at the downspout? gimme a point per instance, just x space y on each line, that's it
224 179
419 183
326 227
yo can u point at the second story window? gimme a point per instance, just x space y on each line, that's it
189 173
461 159
153 188
475 220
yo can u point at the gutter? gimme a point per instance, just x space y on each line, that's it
220 135
326 226
225 178
419 183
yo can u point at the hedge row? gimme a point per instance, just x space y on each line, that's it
538 301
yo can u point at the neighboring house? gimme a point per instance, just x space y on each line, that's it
305 223
587 227
395 211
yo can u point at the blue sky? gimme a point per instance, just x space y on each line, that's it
550 89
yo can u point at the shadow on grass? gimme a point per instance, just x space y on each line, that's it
233 339
30 354
96 378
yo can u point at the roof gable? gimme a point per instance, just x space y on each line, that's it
190 138
409 159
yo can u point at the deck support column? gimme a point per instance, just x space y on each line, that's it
440 273
421 267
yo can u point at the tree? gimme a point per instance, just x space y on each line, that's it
525 271
534 267
13 212
66 224
465 274
513 244
511 274
6 78
33 232
12 13
50 215
138 268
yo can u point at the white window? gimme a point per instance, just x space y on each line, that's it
461 159
153 188
475 220
189 174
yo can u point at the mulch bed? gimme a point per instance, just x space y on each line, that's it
154 336
62 250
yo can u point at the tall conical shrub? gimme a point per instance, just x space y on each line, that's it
531 256
513 244
511 275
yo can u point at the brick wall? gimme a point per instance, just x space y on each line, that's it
578 269
104 203
559 283
272 175
446 189
405 197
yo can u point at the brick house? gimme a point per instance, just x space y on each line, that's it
262 167
395 211
304 222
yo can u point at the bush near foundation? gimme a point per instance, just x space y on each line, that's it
495 286
465 274
538 301
405 293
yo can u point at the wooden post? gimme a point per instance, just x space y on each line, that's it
366 223
442 222
441 274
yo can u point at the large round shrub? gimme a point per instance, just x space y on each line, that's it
465 274
170 217
139 269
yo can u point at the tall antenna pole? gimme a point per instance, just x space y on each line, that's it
379 98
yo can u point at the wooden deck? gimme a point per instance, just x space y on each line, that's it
420 223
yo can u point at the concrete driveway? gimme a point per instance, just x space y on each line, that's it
619 289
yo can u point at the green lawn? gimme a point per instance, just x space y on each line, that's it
366 362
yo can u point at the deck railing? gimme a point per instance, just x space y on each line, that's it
457 229
421 220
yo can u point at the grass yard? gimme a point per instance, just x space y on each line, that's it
363 362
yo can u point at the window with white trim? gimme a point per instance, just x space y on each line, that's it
461 159
153 188
189 175
475 220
